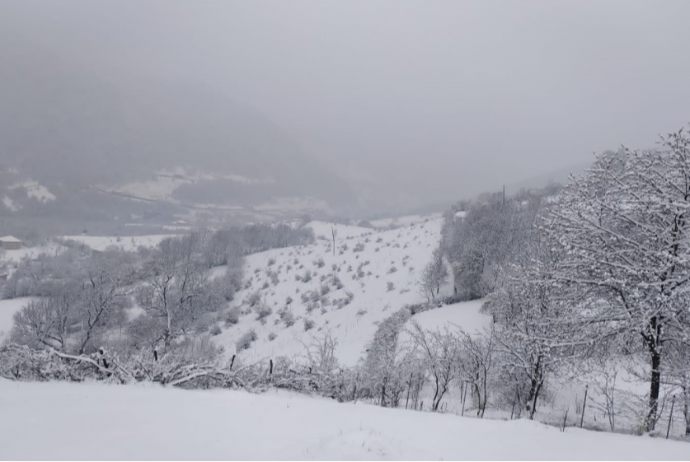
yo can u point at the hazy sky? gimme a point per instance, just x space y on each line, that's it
439 99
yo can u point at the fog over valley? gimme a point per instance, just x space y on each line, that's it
344 230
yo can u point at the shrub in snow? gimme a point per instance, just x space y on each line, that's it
265 286
319 263
271 261
272 336
216 330
288 300
245 342
392 270
391 286
262 311
254 298
307 276
308 324
232 317
325 289
287 317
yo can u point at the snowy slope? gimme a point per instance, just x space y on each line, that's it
95 421
366 261
464 315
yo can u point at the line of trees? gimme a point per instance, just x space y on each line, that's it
599 270
153 300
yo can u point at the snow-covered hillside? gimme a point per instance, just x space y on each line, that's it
372 275
147 422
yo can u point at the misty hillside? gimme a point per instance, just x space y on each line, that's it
59 124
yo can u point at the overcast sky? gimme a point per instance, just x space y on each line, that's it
439 99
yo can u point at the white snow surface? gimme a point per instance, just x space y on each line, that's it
464 315
148 422
15 256
36 190
163 184
396 256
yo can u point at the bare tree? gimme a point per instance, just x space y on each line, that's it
475 361
102 298
44 323
439 352
177 293
435 275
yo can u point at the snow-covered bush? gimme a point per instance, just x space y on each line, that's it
245 342
262 312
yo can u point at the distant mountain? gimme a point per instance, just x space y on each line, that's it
556 176
60 125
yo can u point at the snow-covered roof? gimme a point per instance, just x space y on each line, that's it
9 239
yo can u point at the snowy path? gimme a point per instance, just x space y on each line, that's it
92 421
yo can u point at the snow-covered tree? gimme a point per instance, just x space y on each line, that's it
177 292
624 229
438 351
435 275
475 365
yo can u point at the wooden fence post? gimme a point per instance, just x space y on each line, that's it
584 405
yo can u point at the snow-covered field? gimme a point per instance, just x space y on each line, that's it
15 256
380 269
464 315
95 421
127 243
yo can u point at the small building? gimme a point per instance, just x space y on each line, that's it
10 243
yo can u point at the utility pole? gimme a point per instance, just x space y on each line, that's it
334 233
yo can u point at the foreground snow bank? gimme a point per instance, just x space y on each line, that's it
95 421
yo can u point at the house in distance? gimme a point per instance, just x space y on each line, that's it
10 243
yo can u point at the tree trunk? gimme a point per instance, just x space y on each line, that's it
653 341
654 390
534 401
535 383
